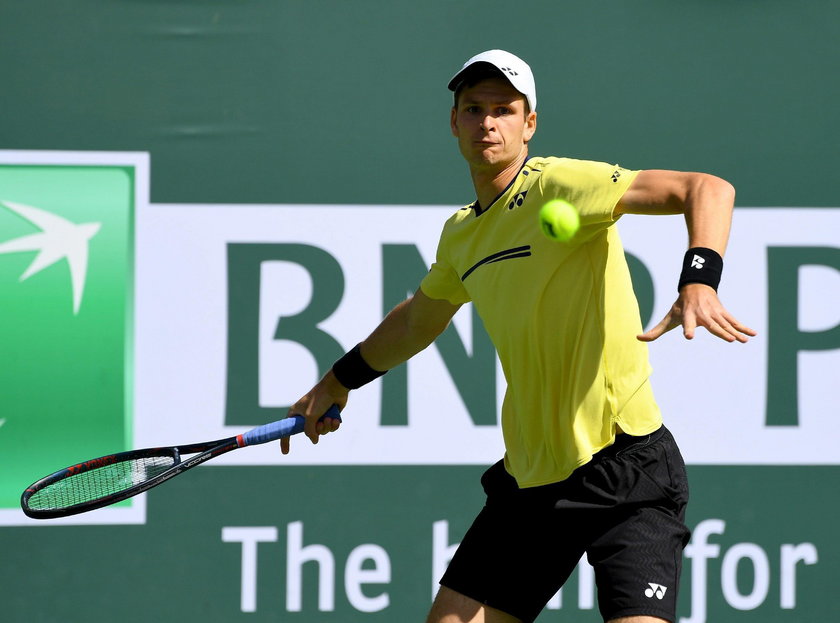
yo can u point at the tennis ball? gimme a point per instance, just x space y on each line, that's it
559 220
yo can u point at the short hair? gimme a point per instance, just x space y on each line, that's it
482 71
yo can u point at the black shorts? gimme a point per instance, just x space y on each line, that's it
625 509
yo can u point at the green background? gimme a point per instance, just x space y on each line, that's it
325 101
177 564
331 101
64 375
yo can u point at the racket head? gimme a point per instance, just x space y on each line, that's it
115 477
98 482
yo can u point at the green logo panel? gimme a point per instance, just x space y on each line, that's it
66 255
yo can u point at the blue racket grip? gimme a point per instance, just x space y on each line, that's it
281 428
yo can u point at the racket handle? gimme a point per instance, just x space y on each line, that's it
281 428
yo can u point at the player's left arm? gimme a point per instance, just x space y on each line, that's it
707 203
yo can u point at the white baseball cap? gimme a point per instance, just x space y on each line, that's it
512 67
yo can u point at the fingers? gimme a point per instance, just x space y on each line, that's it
719 323
700 309
723 325
689 324
315 424
323 426
722 328
663 327
741 329
328 425
310 428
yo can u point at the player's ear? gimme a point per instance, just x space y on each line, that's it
452 125
530 125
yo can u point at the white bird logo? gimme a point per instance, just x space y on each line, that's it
58 238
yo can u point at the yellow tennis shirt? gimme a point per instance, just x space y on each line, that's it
563 316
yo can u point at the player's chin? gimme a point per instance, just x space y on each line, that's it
487 151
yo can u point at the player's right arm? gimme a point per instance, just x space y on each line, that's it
409 328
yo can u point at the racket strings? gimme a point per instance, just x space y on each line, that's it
99 482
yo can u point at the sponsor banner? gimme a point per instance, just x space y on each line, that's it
130 324
66 293
241 308
356 543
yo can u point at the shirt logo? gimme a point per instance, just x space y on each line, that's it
518 200
616 174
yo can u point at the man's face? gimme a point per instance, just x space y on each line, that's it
490 124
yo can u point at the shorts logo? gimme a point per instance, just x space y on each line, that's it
698 262
655 590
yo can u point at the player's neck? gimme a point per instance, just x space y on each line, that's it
489 183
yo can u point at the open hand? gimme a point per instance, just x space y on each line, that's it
698 306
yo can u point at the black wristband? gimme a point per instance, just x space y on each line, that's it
353 371
701 265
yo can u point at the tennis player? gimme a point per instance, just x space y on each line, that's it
588 466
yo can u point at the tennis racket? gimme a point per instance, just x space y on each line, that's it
109 479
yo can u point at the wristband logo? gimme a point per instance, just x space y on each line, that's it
698 262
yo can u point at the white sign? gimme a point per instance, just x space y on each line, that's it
714 395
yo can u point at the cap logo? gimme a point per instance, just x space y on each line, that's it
509 71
